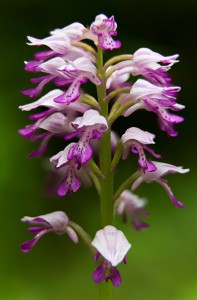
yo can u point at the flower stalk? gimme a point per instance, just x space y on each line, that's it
106 291
106 185
127 183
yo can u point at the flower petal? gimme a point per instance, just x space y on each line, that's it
99 274
134 133
91 118
112 244
115 277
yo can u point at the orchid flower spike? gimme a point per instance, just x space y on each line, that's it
57 222
130 205
137 140
162 169
112 246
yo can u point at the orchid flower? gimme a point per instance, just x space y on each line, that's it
78 72
112 246
162 169
60 39
157 99
57 222
55 120
130 205
104 28
146 62
55 123
72 73
137 140
70 182
48 102
90 126
116 81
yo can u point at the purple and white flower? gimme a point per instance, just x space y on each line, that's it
77 72
55 119
164 95
162 169
64 73
60 39
57 222
55 176
47 101
70 182
157 99
90 126
136 140
146 62
131 205
104 28
112 246
116 81
55 124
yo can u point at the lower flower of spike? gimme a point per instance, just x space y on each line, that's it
136 140
130 205
112 245
57 222
162 169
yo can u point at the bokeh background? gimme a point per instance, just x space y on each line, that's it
162 263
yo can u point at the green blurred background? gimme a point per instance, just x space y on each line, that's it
162 263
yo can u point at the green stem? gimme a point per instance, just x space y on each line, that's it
127 183
89 100
117 155
106 291
106 184
96 169
83 235
85 46
119 111
117 92
95 181
117 59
